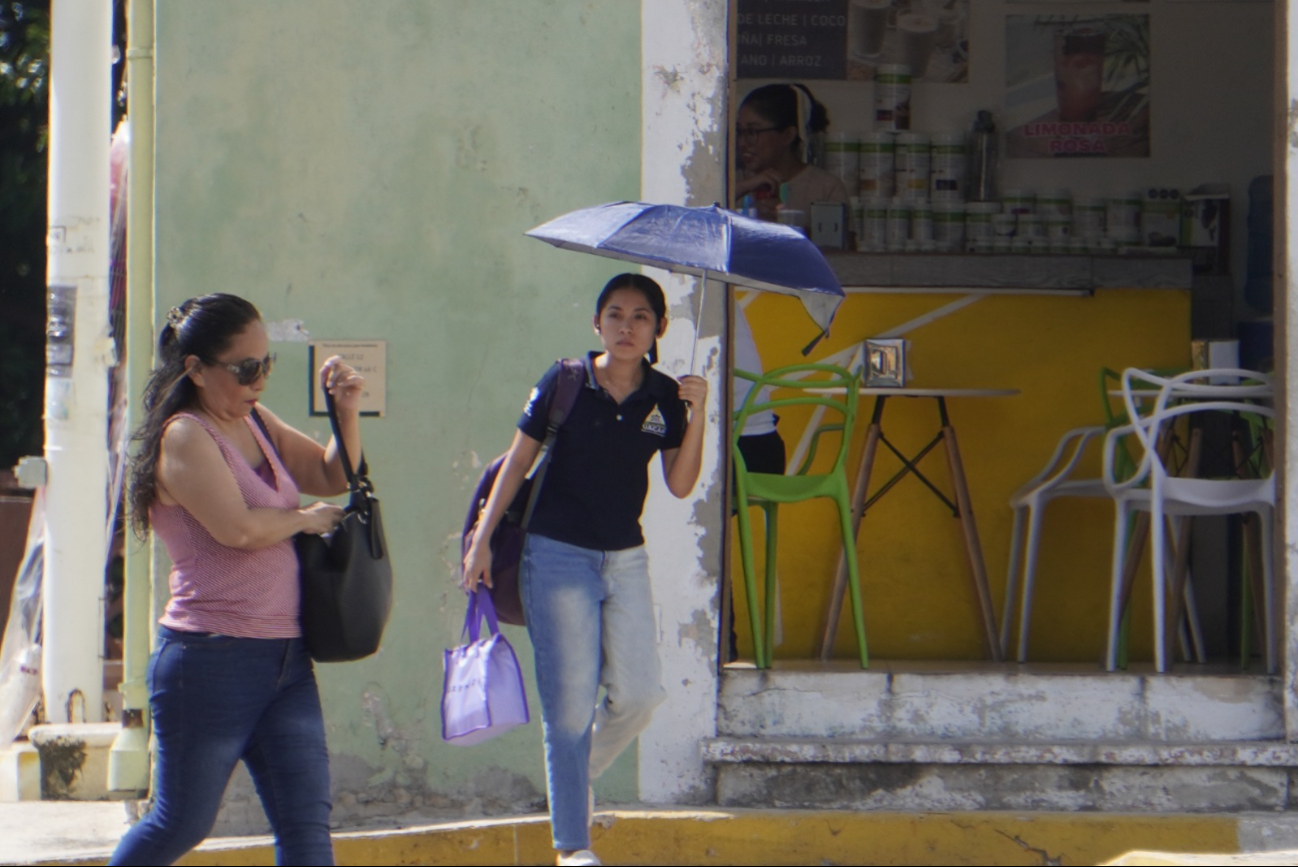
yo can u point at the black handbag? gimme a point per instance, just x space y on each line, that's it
346 577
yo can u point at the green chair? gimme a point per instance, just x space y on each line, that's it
817 386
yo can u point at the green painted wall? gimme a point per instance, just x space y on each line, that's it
369 168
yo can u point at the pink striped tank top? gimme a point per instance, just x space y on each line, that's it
247 593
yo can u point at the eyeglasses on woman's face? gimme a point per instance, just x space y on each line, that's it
249 370
747 132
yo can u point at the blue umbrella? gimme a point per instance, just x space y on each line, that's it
707 242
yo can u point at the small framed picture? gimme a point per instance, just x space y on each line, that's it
885 363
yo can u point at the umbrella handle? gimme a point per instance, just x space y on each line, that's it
698 321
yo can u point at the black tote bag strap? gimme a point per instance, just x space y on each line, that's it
356 479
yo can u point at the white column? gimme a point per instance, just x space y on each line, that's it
81 351
684 87
1285 551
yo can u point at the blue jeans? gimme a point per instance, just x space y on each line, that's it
216 700
590 615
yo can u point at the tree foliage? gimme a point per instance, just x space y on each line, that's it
24 130
24 126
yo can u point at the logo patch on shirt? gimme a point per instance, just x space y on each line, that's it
655 423
531 400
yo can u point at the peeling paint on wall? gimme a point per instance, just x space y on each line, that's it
288 331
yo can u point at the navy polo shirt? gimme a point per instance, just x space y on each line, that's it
595 487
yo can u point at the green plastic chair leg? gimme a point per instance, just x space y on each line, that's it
853 576
750 581
772 528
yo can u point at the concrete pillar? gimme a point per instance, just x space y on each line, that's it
684 91
1286 321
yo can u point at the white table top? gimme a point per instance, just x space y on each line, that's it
906 391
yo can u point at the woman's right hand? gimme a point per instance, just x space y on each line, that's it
764 178
321 518
477 566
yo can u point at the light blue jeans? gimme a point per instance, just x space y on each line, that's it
590 615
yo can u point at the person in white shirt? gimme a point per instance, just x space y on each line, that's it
760 442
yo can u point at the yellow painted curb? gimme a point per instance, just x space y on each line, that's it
774 837
1170 859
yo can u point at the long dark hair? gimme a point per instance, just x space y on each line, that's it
646 286
778 104
204 327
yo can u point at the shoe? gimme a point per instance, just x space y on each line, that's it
580 857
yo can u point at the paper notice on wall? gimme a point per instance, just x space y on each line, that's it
370 360
1077 85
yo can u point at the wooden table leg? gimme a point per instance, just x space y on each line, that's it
1181 560
973 548
858 512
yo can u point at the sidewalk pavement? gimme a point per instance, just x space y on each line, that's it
66 832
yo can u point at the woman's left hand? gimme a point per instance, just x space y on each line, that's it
694 391
342 381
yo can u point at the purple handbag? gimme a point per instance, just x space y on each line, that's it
483 694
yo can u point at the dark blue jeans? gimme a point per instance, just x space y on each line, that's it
216 700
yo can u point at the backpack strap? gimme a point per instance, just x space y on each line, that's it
572 377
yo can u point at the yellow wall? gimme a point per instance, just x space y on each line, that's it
919 602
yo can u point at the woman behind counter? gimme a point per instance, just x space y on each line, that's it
230 678
585 572
772 132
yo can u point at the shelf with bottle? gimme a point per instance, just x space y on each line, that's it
1008 272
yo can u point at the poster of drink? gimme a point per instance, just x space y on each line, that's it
929 36
1077 85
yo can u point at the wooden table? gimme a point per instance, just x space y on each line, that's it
961 508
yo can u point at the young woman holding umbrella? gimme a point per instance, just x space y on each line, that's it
584 575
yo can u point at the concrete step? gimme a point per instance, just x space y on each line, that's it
812 773
1001 702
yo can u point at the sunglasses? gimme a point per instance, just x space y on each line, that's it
249 370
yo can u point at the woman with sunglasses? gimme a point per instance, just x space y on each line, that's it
773 131
230 678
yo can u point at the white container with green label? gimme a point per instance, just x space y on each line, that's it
842 159
898 224
921 221
892 97
874 226
978 222
1122 218
914 161
1055 203
877 160
948 225
949 166
1088 217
